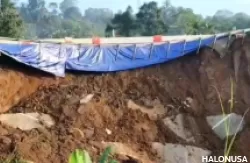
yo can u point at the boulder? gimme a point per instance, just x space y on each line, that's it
177 153
27 121
176 125
218 124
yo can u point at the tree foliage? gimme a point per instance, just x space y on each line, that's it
66 19
170 20
124 23
150 20
72 13
65 4
11 24
61 20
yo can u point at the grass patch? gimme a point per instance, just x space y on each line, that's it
229 141
82 156
13 159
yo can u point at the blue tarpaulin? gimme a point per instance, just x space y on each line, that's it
56 58
46 57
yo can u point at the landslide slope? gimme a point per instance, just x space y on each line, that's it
165 87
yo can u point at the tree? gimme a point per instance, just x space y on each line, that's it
241 20
74 29
201 27
224 14
11 24
65 4
72 13
53 6
222 21
45 20
124 23
36 9
24 13
150 20
48 25
188 22
108 31
98 15
170 13
6 4
99 18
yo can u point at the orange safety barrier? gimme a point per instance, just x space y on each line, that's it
26 42
68 40
96 40
157 38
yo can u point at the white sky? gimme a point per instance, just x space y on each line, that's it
204 7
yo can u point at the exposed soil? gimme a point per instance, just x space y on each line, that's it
18 82
85 126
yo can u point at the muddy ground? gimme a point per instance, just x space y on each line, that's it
85 126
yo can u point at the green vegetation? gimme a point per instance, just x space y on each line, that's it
82 156
229 141
14 161
11 24
13 158
228 147
79 156
38 19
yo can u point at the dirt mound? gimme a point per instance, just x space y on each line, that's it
107 117
18 81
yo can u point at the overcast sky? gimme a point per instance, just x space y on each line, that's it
204 7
